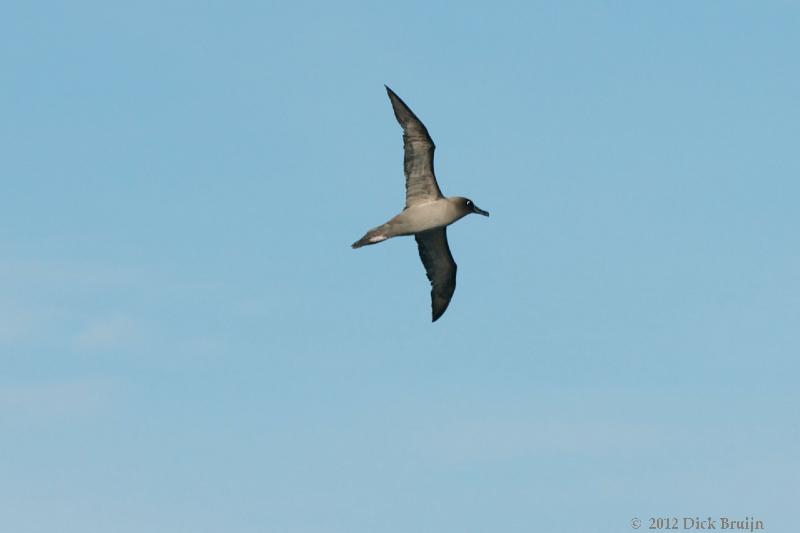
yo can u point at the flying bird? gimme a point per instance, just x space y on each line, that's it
427 212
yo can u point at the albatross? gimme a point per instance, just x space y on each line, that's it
427 212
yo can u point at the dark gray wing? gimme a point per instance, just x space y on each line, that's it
440 267
418 147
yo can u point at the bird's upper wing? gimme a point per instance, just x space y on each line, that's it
440 267
421 183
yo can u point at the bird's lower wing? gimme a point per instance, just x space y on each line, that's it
439 266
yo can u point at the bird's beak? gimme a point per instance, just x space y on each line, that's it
476 209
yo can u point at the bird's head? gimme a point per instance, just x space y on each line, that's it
467 206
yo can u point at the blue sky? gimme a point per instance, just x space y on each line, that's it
188 343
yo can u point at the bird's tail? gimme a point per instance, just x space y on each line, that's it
373 236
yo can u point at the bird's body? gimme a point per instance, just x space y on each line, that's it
427 213
416 219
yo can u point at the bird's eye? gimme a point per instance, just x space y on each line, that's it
469 203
